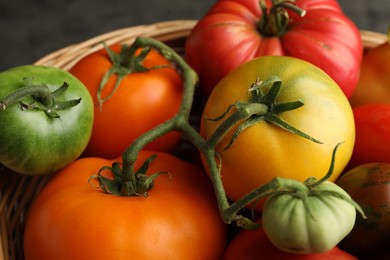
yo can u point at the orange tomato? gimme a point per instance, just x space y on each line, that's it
179 219
142 101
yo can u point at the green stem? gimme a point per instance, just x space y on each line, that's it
242 113
277 185
275 20
41 91
44 100
190 80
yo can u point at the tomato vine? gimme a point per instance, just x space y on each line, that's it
262 107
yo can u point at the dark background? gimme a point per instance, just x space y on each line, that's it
31 29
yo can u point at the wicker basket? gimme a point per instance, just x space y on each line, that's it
17 191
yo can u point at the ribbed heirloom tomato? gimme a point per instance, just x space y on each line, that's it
179 219
235 31
264 147
147 95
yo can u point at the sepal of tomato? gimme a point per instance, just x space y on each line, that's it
229 35
179 219
141 101
38 135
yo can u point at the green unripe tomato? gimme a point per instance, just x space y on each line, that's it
308 220
46 118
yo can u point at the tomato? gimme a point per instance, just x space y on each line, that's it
374 82
143 99
264 150
369 185
254 244
46 119
179 218
372 144
235 31
307 222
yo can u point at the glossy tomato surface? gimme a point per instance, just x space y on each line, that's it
374 81
141 101
372 144
265 151
71 219
249 245
34 141
369 185
231 33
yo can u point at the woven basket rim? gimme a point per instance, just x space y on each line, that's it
16 191
70 55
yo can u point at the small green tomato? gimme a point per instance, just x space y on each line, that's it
306 222
308 217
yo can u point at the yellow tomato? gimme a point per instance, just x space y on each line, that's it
264 151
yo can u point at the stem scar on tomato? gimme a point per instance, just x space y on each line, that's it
275 19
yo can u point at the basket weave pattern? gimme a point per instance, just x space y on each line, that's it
17 191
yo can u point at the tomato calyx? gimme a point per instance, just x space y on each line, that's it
274 20
128 61
262 107
120 185
44 100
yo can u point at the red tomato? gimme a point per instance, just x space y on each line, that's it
372 141
369 185
374 81
142 101
231 34
248 245
179 219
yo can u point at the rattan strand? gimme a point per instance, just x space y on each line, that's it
16 191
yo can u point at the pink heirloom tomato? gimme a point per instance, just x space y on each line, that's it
235 31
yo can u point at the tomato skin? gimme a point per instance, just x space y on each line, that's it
374 81
369 185
73 220
308 224
265 151
142 101
228 35
248 245
33 143
372 143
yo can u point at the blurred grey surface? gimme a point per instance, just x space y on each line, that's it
30 29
